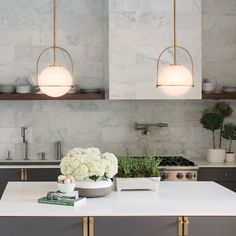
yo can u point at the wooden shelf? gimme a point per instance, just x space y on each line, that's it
219 96
75 96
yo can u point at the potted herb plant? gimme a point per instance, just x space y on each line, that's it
229 133
137 173
213 120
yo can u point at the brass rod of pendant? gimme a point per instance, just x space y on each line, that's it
174 32
54 32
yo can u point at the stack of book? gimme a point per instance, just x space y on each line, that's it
58 198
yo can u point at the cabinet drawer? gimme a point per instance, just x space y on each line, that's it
217 174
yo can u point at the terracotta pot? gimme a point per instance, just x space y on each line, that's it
216 155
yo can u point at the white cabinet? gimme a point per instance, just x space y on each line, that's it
138 32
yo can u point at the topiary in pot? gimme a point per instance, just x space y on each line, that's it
229 133
224 110
212 121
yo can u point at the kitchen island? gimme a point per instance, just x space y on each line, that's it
178 208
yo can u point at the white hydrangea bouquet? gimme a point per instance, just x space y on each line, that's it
89 164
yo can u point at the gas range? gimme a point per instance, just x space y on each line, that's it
177 168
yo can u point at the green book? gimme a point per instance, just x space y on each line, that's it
63 202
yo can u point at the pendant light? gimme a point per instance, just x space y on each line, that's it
55 80
175 79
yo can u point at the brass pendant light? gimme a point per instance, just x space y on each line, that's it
175 79
55 80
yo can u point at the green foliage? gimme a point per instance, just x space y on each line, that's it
223 109
138 167
229 133
211 121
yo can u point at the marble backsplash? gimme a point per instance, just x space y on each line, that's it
26 30
107 125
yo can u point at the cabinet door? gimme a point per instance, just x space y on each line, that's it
41 226
7 175
135 226
223 176
212 226
43 174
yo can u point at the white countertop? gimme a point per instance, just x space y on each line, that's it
29 166
200 162
173 199
204 163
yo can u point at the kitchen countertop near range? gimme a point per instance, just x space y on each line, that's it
203 163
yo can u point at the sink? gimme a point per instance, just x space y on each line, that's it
30 162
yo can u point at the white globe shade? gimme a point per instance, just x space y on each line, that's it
177 75
55 81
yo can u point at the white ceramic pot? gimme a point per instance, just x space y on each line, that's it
66 188
151 183
91 188
230 157
216 155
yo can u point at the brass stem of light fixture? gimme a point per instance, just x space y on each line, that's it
54 31
54 47
174 32
175 47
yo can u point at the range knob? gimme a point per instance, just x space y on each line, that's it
189 175
179 176
164 176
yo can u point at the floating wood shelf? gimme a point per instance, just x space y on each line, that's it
75 96
219 96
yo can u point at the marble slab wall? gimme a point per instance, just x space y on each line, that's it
139 30
108 125
26 30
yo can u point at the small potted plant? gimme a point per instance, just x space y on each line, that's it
137 173
213 120
229 133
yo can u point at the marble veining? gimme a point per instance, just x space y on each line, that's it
83 29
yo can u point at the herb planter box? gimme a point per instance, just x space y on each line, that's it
148 183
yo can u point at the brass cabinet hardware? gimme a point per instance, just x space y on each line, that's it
91 226
26 175
180 226
85 226
186 226
22 174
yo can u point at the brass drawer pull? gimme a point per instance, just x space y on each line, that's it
180 226
85 226
91 226
186 226
22 174
225 174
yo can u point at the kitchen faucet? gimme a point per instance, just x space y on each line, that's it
25 142
145 128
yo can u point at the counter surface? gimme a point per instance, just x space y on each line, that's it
172 199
